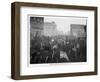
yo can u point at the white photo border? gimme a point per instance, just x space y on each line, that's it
55 68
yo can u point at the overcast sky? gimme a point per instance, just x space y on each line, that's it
63 23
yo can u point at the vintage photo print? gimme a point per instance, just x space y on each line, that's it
57 39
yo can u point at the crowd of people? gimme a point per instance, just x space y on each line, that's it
57 49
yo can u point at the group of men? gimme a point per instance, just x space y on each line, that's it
56 50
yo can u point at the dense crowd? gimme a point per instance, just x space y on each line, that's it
45 49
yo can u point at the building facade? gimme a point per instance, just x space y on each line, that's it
36 26
78 30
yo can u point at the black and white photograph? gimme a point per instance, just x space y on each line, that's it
53 40
58 39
